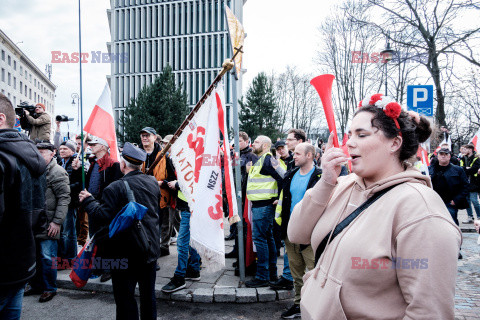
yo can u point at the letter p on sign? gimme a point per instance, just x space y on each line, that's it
419 95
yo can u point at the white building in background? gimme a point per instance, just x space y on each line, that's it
21 80
189 35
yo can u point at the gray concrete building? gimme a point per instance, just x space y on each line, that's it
21 80
189 35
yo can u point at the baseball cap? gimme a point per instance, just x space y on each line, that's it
149 130
279 143
167 138
444 150
97 140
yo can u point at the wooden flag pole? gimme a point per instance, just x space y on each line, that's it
227 66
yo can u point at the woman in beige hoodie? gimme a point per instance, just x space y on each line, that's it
398 258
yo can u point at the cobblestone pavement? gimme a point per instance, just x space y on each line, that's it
467 294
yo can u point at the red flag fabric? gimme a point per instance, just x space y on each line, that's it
102 124
323 85
475 141
250 255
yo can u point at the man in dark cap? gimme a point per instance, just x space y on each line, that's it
163 172
141 268
47 231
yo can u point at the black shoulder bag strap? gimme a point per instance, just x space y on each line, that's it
345 222
130 196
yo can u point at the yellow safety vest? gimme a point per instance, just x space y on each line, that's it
283 164
260 187
278 210
471 164
181 196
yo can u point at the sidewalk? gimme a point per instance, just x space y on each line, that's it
220 286
223 285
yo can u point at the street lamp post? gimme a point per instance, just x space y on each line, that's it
387 55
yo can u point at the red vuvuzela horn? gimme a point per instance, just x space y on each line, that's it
323 85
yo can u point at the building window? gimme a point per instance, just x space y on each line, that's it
3 75
14 65
35 82
3 55
26 91
9 61
30 78
21 70
26 76
30 93
21 87
9 79
14 83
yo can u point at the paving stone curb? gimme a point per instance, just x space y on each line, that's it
199 295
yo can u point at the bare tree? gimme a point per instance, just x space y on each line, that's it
434 28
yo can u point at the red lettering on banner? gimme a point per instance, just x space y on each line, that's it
218 208
197 146
186 176
180 152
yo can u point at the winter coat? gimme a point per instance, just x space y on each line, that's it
22 201
287 196
109 172
455 183
147 192
75 179
163 171
471 165
396 260
41 127
57 199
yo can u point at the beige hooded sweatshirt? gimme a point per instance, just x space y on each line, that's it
396 260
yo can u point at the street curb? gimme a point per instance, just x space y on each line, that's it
200 295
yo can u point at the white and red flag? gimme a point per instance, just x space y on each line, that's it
102 124
476 141
197 159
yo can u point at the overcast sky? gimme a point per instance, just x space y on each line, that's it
280 33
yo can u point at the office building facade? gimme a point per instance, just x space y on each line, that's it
21 80
189 35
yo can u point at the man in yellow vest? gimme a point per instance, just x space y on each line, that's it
262 191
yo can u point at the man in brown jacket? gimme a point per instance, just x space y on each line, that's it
164 173
41 124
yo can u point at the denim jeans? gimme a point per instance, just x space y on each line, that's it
67 245
473 198
262 235
287 275
11 302
453 212
187 256
46 276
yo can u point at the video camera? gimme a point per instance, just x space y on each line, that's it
20 111
63 118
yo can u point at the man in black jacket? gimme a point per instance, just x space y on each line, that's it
298 257
22 201
450 182
471 164
67 245
141 269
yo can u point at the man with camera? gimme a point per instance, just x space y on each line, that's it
40 122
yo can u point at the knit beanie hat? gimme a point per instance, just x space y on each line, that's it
72 145
41 105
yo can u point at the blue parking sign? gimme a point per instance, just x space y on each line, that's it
420 99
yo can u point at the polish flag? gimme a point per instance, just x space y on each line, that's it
102 124
475 141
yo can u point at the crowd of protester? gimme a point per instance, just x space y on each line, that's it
301 197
